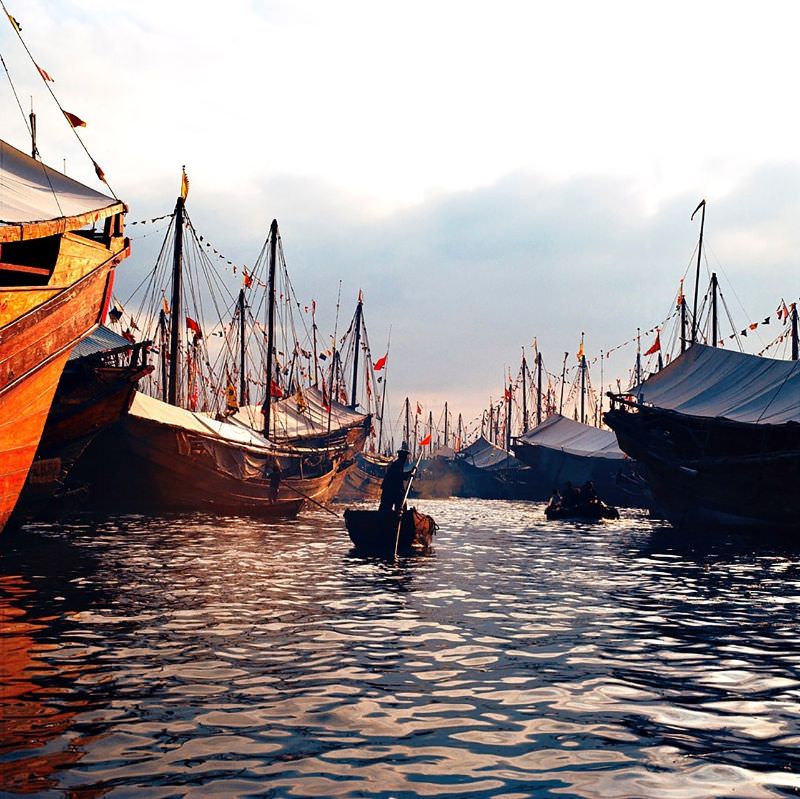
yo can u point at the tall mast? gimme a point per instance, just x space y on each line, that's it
177 311
583 389
794 332
701 207
356 353
446 426
682 300
273 252
563 378
491 420
508 418
638 356
32 117
408 422
383 407
538 387
242 378
162 326
524 393
314 334
714 330
460 432
430 431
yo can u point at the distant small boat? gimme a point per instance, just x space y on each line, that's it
585 512
373 532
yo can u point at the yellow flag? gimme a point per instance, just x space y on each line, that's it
16 25
184 184
300 400
581 351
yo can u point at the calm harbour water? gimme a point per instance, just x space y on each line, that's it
195 656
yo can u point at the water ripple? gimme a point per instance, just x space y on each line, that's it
196 656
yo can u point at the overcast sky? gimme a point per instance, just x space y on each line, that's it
487 173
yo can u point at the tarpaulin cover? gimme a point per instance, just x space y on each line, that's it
717 383
559 432
154 410
102 340
33 192
288 422
484 455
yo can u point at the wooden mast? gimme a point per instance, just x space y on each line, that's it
273 249
714 330
163 344
408 423
538 387
175 332
701 207
357 322
583 389
682 299
794 332
638 356
524 393
446 426
563 378
460 432
430 432
508 418
242 379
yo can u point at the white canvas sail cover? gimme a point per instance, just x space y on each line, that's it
32 193
154 410
484 455
289 422
717 383
559 432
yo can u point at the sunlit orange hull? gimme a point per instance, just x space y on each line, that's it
34 346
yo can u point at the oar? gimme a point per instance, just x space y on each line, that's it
402 505
311 499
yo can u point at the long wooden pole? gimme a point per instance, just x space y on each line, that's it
242 377
538 388
794 333
175 332
273 249
524 393
702 208
563 379
714 330
356 353
403 503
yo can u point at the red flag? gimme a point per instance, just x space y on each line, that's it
656 345
75 121
419 409
99 172
248 279
193 326
425 441
45 75
506 394
326 403
275 390
380 363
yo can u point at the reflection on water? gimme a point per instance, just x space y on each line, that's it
191 656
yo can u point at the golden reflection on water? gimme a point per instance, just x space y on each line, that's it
196 656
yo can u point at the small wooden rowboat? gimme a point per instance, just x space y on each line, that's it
585 512
373 532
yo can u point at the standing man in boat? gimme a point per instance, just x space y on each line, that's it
393 487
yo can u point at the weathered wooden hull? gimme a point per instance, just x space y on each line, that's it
374 532
714 474
38 328
363 479
145 465
89 399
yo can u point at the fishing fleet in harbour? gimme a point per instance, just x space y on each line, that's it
188 395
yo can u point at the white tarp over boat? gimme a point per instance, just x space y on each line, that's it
484 455
154 410
32 192
717 383
559 432
289 422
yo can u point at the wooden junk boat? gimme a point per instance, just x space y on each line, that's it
95 391
374 532
719 434
55 287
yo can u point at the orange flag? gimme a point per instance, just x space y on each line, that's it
75 121
425 441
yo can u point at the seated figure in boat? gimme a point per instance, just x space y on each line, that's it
393 487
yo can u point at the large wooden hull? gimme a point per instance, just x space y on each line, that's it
146 465
38 328
709 474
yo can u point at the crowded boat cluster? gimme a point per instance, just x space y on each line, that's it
187 395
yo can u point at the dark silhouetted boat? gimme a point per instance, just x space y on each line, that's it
374 532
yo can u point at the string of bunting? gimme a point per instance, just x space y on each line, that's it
151 221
